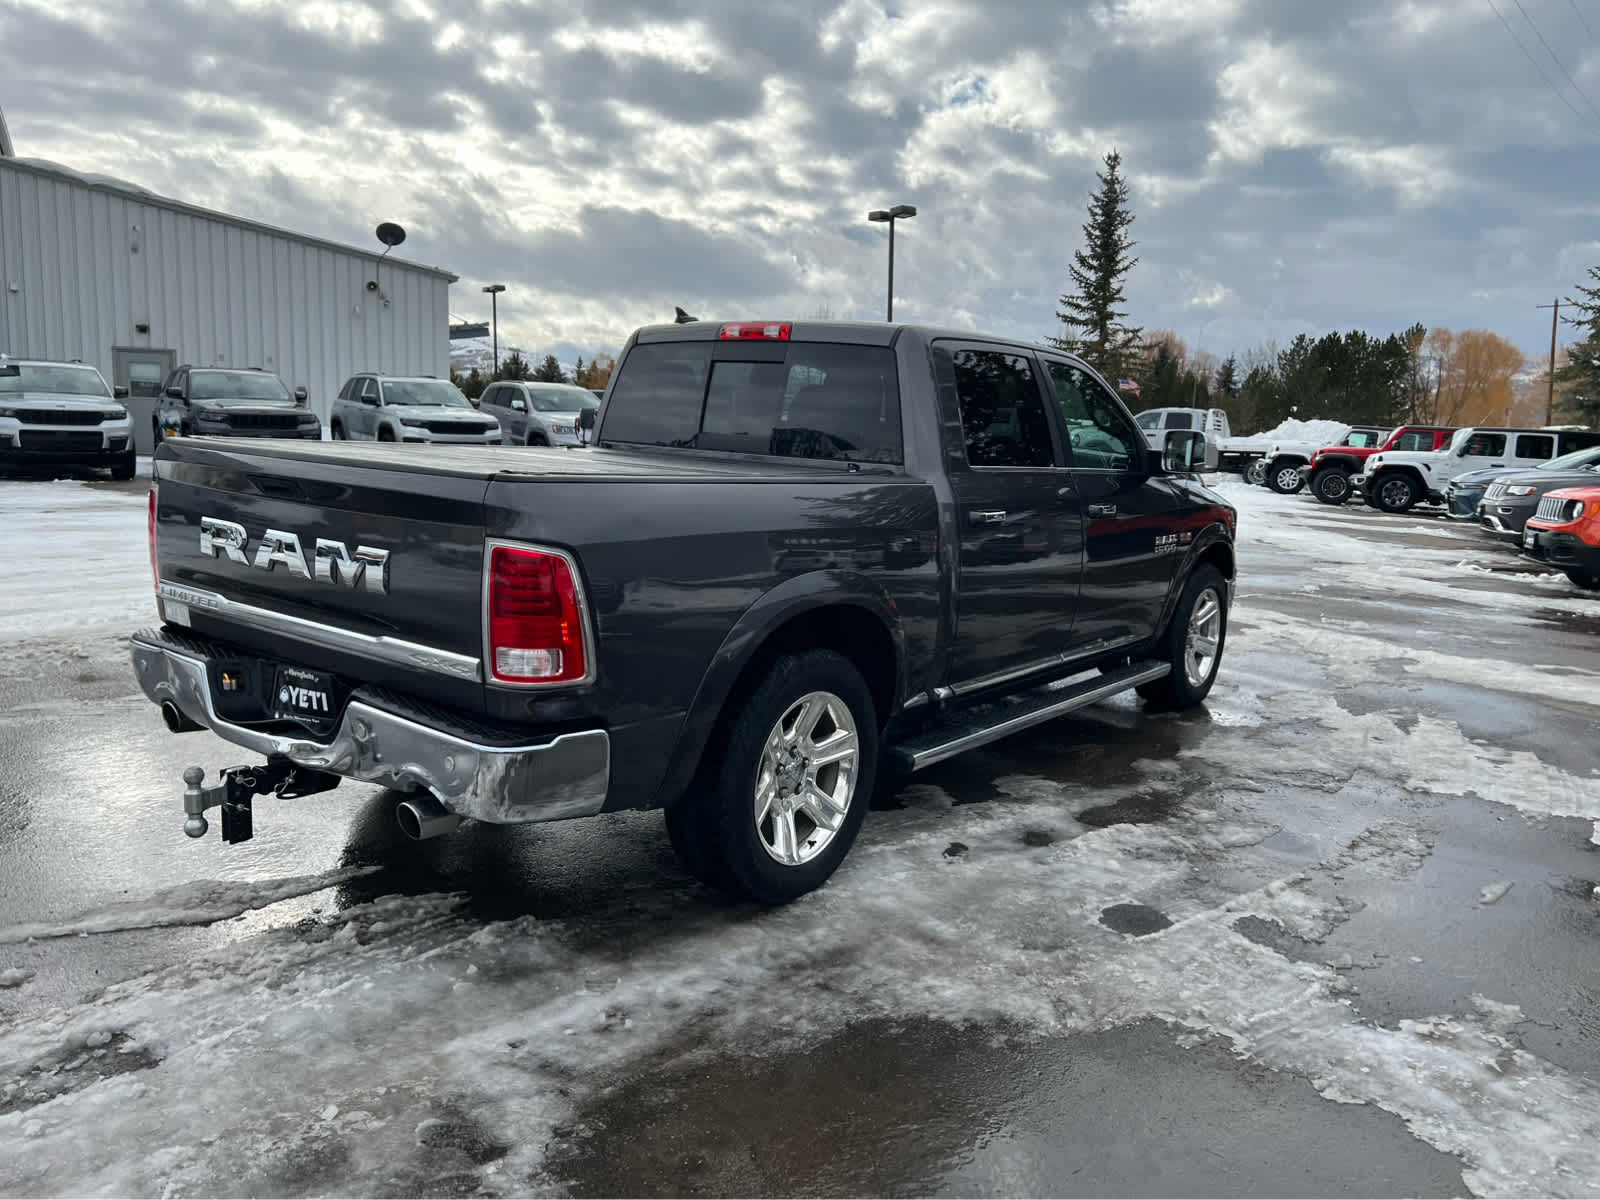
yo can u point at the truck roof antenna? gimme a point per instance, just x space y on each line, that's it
681 317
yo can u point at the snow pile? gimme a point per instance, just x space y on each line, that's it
1320 433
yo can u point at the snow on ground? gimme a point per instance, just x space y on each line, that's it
93 541
325 1057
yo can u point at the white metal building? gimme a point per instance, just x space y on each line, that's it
96 269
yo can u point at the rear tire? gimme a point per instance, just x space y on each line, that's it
1256 472
1331 486
1284 478
1193 643
769 823
1587 580
1393 492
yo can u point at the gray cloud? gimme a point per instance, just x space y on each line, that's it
1293 166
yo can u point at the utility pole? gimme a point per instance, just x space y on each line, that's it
1550 393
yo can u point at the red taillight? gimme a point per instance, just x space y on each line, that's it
756 331
155 565
535 618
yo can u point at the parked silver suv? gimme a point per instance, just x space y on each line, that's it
388 408
538 414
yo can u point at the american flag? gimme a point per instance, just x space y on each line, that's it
1128 385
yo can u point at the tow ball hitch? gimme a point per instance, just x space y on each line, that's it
238 787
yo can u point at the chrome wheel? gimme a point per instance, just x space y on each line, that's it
1204 637
806 778
1256 472
1288 479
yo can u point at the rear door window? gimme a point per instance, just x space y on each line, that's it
1536 446
1003 421
1485 445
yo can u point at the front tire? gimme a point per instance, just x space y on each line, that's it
1193 643
126 466
1284 478
1393 492
537 439
1331 486
386 435
336 431
1587 580
777 814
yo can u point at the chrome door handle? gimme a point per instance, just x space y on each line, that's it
978 517
1102 510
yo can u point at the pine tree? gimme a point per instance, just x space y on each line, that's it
550 371
1228 379
1093 320
1579 380
513 366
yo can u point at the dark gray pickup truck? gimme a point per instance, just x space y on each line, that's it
792 559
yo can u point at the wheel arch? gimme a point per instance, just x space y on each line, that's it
827 610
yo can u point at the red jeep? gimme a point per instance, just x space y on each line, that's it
1330 468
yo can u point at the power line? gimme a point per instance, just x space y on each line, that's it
1543 74
1581 17
1554 59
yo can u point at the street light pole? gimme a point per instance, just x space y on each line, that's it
494 290
898 213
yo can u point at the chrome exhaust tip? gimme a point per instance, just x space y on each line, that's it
176 720
424 817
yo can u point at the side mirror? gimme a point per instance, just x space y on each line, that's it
586 425
119 392
299 395
520 405
1184 452
475 401
175 393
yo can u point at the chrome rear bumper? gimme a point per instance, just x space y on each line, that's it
565 776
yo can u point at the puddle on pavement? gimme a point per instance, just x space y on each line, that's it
1142 808
1435 943
1136 920
923 1108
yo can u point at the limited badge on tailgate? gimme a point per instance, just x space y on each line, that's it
304 695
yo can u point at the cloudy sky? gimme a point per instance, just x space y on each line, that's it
1295 164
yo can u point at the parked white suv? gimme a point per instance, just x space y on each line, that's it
1397 480
63 414
389 408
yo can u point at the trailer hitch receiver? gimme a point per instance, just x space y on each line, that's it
238 787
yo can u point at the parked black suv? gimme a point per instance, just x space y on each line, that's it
232 402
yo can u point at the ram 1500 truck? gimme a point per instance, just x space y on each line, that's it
790 557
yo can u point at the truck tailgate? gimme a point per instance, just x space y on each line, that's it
319 555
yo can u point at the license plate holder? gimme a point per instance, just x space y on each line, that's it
306 696
1529 538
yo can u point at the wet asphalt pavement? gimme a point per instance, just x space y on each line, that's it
1335 933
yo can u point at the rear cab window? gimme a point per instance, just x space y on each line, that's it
1538 446
816 400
